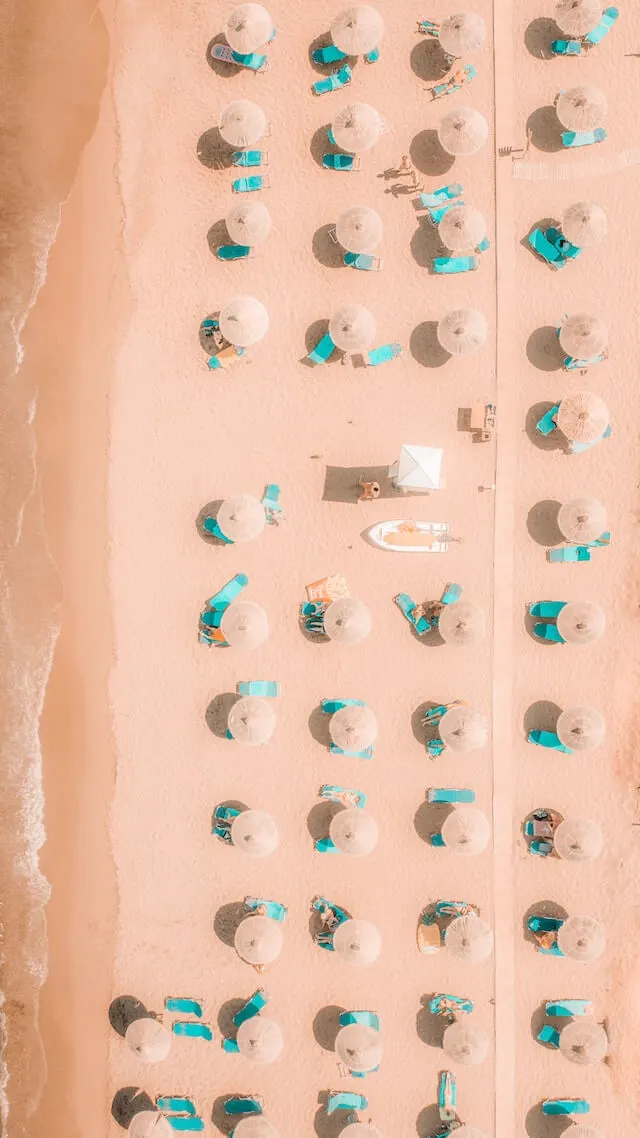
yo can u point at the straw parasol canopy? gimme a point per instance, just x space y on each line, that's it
256 1126
582 519
582 938
469 938
462 228
462 623
244 321
256 834
248 27
583 417
149 1039
360 1130
584 1041
462 33
462 331
578 839
463 132
582 108
353 728
583 336
581 1130
581 622
463 729
252 720
352 327
577 17
359 229
242 517
581 728
149 1124
585 224
258 940
357 127
248 223
354 832
244 625
359 1047
242 123
357 942
357 30
466 830
260 1039
465 1043
347 620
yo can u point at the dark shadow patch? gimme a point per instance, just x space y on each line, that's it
554 441
320 145
341 483
326 1026
544 130
542 909
539 35
228 1010
217 713
210 511
318 724
124 1010
427 154
424 345
226 921
538 1018
430 1028
543 349
319 819
329 1125
129 1101
218 235
312 338
544 224
429 817
212 150
425 245
205 336
219 66
542 522
420 731
541 716
539 1125
427 60
428 1123
325 250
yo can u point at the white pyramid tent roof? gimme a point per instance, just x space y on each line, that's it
418 468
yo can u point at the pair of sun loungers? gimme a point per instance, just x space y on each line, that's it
591 39
272 509
324 938
547 925
420 624
548 424
547 612
250 184
333 82
438 203
580 552
254 1005
211 616
552 247
373 358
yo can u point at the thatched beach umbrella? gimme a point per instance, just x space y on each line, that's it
357 127
257 1126
148 1039
357 30
258 940
252 721
244 321
582 520
260 1039
359 1047
463 132
462 33
248 222
463 729
149 1124
581 728
583 417
581 622
583 336
352 327
577 17
462 623
466 830
248 27
361 1130
357 942
582 938
469 938
465 1043
353 728
584 224
244 625
242 517
242 123
256 834
462 331
584 1041
354 832
578 839
347 620
582 108
462 228
359 229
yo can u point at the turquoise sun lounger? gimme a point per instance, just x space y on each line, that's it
333 82
242 1106
345 1100
330 706
252 1008
369 1019
546 249
176 1104
184 1005
251 184
566 47
433 716
367 753
250 158
228 593
340 162
181 1123
548 632
191 1030
233 252
438 197
570 553
210 525
436 213
548 739
322 351
451 594
544 924
565 1106
264 689
558 239
224 814
274 909
575 138
437 840
448 794
455 264
363 261
596 36
547 424
568 1008
428 28
253 61
578 448
271 502
571 363
383 355
406 606
447 1096
372 56
329 54
331 794
548 1034
546 610
230 1047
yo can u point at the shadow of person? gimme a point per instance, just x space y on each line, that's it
227 920
427 60
325 250
212 150
542 909
217 713
428 155
544 129
543 349
218 235
319 145
542 522
326 1026
210 511
539 1125
228 1010
129 1101
424 345
541 716
124 1010
428 819
539 35
319 819
220 66
554 441
430 1028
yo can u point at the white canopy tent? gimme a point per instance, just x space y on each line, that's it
418 468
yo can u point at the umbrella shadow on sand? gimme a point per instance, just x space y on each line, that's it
544 130
425 246
430 1028
125 1010
539 1125
320 817
424 344
319 145
209 511
428 155
542 523
427 60
318 724
212 150
542 715
228 1010
312 338
428 819
554 441
539 35
325 250
543 349
429 1122
327 1125
217 235
217 713
326 1025
227 920
129 1101
220 66
542 909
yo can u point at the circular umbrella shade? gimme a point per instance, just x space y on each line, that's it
462 623
260 1039
465 1044
352 328
582 938
582 520
149 1124
583 417
244 625
248 27
353 728
581 728
242 123
256 1127
347 620
258 940
357 127
256 834
360 1130
252 720
149 1039
357 942
577 17
462 33
466 830
462 228
581 622
357 30
580 1130
584 224
242 517
248 223
583 336
578 839
359 1047
469 938
354 832
463 729
584 1042
462 331
463 132
582 108
244 321
359 229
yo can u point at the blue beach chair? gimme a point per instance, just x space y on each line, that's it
330 793
253 61
333 82
564 246
329 54
176 1104
428 28
181 1123
597 34
252 1008
230 1046
451 594
188 1029
233 1106
448 794
263 689
406 606
548 739
432 717
565 1106
369 1019
437 840
228 593
210 525
443 265
568 1007
566 47
330 706
438 197
436 213
322 351
326 845
545 249
250 158
570 553
366 754
447 1096
546 610
271 502
233 252
345 1100
544 924
184 1005
372 56
250 184
434 747
444 1003
224 816
548 632
547 424
274 909
383 355
340 162
548 1034
575 138
578 448
442 89
540 847
363 261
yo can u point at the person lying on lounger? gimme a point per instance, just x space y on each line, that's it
457 79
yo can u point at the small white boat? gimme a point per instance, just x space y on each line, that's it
411 537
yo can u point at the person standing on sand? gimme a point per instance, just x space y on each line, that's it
407 167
